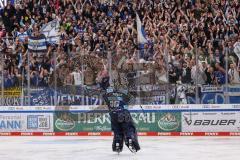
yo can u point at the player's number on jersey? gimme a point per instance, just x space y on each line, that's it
114 104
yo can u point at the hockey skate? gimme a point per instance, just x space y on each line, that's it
132 145
118 148
117 144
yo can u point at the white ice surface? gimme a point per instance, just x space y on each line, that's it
88 148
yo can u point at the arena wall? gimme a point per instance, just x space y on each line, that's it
151 120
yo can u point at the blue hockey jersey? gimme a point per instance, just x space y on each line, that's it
116 100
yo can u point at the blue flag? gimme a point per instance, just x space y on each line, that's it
37 44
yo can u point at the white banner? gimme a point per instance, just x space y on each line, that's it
211 121
26 122
179 107
210 88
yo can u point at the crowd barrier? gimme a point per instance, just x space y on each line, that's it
151 120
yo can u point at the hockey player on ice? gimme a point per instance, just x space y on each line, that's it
121 121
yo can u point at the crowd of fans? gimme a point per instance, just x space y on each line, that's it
189 41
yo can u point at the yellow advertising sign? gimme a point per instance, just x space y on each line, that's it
11 92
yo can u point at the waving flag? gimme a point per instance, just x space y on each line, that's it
140 31
37 44
237 49
22 36
51 31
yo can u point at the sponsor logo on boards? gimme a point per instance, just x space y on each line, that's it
168 122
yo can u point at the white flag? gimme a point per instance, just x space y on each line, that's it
51 31
141 38
237 49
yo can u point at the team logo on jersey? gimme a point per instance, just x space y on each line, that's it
168 122
65 123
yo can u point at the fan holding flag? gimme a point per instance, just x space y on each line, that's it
37 42
48 34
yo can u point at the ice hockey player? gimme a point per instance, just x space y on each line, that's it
121 121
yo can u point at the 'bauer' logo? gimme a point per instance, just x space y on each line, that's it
189 122
208 122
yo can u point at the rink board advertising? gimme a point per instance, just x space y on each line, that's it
26 122
211 121
97 122
155 120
